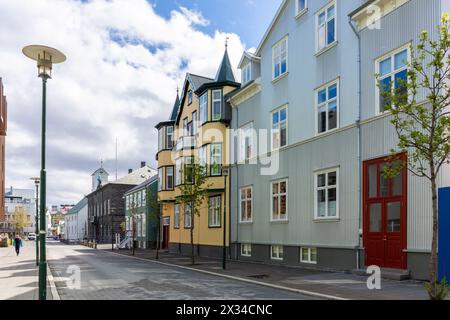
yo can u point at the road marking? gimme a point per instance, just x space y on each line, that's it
305 292
51 282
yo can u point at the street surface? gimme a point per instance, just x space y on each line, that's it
105 276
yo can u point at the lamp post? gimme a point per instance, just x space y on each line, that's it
45 58
225 173
36 183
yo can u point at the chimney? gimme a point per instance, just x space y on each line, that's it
130 171
143 164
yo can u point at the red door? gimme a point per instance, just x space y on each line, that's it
166 231
385 214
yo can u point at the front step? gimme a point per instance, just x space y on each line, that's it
390 274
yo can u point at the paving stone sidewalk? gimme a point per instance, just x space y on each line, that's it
19 274
338 284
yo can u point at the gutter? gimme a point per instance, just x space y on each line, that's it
358 125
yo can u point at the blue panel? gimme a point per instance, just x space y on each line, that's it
444 233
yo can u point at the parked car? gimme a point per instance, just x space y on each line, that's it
32 236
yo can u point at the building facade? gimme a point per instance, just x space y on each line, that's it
20 198
142 213
106 204
3 129
306 186
196 133
75 222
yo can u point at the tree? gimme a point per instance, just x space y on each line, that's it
423 125
133 214
193 193
153 213
19 219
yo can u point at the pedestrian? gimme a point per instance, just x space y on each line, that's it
17 244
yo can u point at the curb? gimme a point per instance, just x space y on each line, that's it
51 282
305 292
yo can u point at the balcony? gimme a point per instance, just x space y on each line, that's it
183 143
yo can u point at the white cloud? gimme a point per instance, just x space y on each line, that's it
106 89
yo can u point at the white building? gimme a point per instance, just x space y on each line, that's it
75 222
20 198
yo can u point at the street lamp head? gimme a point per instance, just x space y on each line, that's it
36 180
45 58
225 171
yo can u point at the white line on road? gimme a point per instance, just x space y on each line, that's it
51 282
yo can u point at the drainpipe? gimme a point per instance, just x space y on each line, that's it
237 197
358 124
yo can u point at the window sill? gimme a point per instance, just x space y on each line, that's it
308 262
277 259
214 227
301 13
279 221
284 75
246 222
326 49
324 220
319 134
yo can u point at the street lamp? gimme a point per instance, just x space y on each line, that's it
45 58
225 173
36 183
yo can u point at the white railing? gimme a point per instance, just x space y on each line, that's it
187 142
127 242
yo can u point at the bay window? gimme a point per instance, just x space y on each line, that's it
216 159
169 137
203 109
216 105
169 178
178 172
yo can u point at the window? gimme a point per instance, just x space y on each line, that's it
160 179
327 194
185 127
214 210
177 216
178 172
194 123
190 97
393 74
217 105
276 253
279 128
246 195
327 108
216 159
246 73
202 157
246 142
308 255
187 216
144 226
301 6
160 139
279 200
326 27
169 137
169 178
280 56
246 250
189 170
203 109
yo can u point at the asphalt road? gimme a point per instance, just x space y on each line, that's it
104 276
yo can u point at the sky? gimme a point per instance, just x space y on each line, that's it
125 60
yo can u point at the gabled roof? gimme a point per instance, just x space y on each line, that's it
80 205
249 56
144 184
137 176
103 169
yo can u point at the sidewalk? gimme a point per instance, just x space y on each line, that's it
336 284
19 275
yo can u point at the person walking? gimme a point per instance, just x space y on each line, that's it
17 244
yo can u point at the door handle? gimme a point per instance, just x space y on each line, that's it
385 238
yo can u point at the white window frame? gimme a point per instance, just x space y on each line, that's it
211 157
167 175
214 216
309 261
392 74
279 195
276 253
245 199
170 137
178 172
247 73
326 188
160 139
190 97
213 102
203 109
327 19
187 222
144 225
246 250
176 215
298 10
327 102
276 57
273 130
160 178
246 134
194 123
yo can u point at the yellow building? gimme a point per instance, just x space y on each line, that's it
196 133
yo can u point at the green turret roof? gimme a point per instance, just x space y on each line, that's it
176 108
225 73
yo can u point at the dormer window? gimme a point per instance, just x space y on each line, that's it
246 73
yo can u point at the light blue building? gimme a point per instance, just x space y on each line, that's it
309 191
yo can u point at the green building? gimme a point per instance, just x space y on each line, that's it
141 215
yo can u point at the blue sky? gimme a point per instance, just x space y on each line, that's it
247 18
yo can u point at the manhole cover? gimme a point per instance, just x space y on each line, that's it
260 276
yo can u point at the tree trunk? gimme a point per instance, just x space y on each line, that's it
158 237
192 237
434 244
134 236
